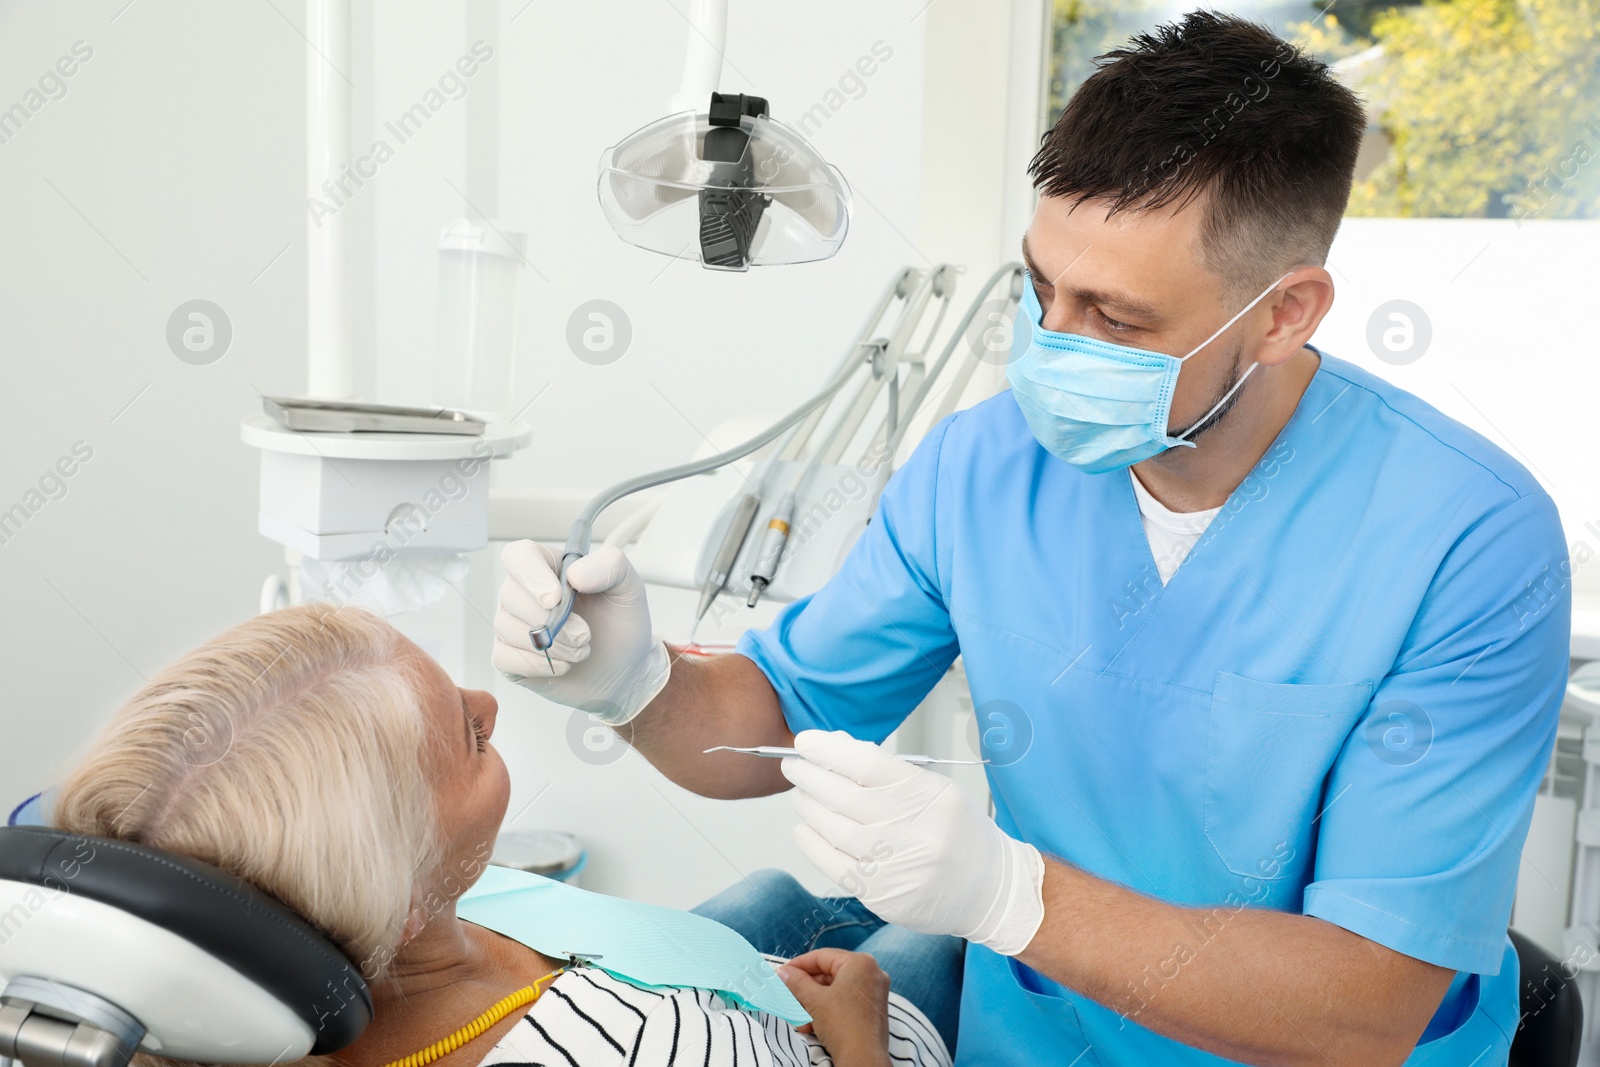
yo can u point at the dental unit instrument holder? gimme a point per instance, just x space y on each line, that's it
581 535
798 423
905 399
817 488
918 292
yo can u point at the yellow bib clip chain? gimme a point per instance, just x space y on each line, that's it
501 1008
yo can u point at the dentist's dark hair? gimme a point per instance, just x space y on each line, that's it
1216 107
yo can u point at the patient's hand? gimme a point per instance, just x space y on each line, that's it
847 996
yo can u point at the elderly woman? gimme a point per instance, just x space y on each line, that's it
320 755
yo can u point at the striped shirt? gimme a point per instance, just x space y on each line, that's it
588 1018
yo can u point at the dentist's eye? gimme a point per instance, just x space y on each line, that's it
1110 323
478 729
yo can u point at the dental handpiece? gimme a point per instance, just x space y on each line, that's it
545 636
732 541
772 544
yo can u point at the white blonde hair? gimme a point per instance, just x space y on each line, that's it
292 751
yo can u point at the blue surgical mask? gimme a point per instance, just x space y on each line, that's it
1099 406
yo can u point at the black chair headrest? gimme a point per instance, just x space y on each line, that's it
224 916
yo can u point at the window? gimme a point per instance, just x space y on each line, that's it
1478 108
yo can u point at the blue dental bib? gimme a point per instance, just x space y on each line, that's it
641 943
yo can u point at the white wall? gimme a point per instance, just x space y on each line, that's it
169 171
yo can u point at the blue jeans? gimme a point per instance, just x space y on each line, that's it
779 916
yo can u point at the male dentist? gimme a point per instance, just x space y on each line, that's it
1280 647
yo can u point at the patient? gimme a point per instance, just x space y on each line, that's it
322 756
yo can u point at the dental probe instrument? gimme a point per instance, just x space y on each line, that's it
778 752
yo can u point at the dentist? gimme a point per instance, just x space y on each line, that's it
1267 653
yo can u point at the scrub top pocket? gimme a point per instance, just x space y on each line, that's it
1053 1005
1269 747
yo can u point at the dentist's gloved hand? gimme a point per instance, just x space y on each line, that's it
911 846
605 660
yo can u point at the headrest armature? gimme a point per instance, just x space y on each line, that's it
47 1024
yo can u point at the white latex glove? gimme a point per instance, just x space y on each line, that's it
605 660
911 846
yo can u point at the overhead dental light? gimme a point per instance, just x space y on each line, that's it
728 185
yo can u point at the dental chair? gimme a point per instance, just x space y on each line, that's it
108 947
1551 1023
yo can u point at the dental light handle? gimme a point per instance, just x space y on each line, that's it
581 535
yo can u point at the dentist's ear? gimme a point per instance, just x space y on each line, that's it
1298 307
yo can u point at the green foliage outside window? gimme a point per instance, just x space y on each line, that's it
1479 108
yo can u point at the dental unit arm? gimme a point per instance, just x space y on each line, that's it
581 535
798 423
882 356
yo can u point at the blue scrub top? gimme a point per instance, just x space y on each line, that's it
1341 705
